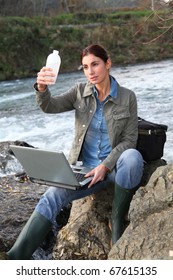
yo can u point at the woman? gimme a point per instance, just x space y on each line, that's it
106 131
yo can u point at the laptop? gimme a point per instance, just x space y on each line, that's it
50 168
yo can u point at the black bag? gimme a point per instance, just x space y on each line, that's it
151 139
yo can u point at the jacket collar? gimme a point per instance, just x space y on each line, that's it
89 91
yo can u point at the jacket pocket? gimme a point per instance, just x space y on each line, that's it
119 113
80 106
117 121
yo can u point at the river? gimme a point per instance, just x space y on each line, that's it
21 119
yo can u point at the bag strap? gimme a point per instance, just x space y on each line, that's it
150 132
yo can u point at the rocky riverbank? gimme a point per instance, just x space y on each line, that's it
85 232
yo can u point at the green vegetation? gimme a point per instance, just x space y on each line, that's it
26 42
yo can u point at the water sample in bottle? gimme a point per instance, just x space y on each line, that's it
53 61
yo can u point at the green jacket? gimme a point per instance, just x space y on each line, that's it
120 114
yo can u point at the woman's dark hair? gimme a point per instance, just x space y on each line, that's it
96 50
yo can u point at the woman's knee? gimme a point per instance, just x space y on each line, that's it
50 194
131 158
129 169
50 203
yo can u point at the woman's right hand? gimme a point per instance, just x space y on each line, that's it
44 78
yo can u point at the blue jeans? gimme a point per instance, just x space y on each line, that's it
127 174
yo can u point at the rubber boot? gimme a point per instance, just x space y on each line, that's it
120 207
30 237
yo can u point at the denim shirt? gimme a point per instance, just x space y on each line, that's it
96 146
120 114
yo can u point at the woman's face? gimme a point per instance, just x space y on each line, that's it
95 69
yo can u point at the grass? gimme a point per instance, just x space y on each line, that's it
26 42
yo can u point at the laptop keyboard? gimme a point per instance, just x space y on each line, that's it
79 176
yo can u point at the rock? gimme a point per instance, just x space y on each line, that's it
86 233
150 232
18 198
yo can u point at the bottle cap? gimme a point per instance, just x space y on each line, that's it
55 51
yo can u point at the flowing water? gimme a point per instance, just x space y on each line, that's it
21 119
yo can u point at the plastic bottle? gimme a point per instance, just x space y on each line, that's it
53 61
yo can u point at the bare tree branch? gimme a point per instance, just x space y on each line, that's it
162 25
156 38
142 25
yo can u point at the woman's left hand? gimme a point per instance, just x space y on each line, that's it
98 174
